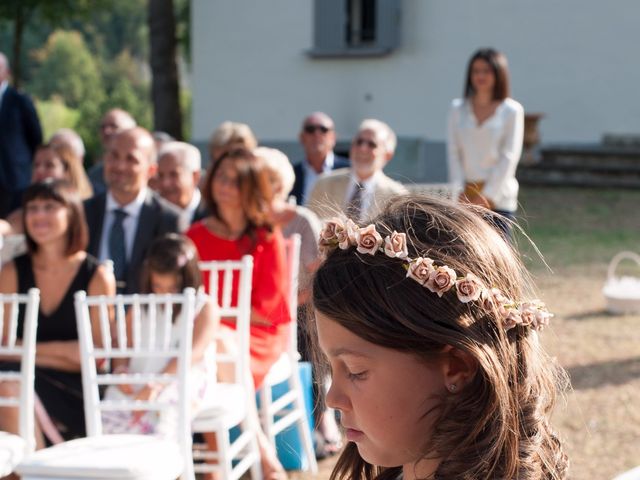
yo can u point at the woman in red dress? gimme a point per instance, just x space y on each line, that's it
238 194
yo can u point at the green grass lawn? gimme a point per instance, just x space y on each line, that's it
573 226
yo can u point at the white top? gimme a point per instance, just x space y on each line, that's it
186 214
368 186
489 152
130 223
311 177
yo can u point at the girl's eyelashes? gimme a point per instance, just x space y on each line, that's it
357 375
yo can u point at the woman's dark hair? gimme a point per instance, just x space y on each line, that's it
62 192
497 426
172 254
256 192
498 63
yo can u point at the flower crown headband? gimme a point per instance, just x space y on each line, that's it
438 279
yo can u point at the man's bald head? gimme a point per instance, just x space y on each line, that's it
129 163
114 121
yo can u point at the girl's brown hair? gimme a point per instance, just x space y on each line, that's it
497 426
498 63
256 192
172 254
65 193
73 166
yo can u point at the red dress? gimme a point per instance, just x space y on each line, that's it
269 292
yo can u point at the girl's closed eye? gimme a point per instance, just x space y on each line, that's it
358 375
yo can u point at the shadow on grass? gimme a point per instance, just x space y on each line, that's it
614 372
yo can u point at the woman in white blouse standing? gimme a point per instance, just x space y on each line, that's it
485 138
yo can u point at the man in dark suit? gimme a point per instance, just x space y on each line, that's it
178 177
20 134
125 219
318 138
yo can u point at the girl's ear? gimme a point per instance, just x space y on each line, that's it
459 367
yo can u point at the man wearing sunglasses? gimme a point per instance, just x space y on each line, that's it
361 191
318 138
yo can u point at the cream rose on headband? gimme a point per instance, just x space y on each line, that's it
469 288
420 269
368 240
441 280
395 245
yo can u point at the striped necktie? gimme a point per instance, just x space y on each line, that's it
354 207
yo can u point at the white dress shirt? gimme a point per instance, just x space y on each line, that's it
3 88
311 176
488 152
186 214
368 188
130 223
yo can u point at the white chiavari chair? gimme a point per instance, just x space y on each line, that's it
231 409
18 345
103 337
276 415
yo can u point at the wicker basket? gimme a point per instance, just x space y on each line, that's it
622 293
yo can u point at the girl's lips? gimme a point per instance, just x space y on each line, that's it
353 435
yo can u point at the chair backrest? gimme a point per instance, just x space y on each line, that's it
26 351
292 258
229 284
104 336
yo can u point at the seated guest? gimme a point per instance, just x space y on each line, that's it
70 138
238 194
229 136
297 219
292 218
178 177
57 264
55 161
125 219
363 190
113 121
318 138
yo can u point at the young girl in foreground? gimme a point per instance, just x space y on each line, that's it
438 372
170 266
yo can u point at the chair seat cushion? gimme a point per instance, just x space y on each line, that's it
225 411
279 371
11 452
107 457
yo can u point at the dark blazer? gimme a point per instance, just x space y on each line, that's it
20 134
298 185
156 218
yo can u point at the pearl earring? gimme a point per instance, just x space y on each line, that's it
453 387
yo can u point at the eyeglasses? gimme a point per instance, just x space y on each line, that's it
363 141
310 129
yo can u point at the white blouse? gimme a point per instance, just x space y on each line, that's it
488 152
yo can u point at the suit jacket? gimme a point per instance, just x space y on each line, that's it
20 134
298 168
329 196
156 218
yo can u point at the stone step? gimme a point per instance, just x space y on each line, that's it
594 165
573 177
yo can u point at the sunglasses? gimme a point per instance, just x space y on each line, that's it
363 141
314 128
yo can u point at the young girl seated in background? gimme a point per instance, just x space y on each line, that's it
437 369
170 266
